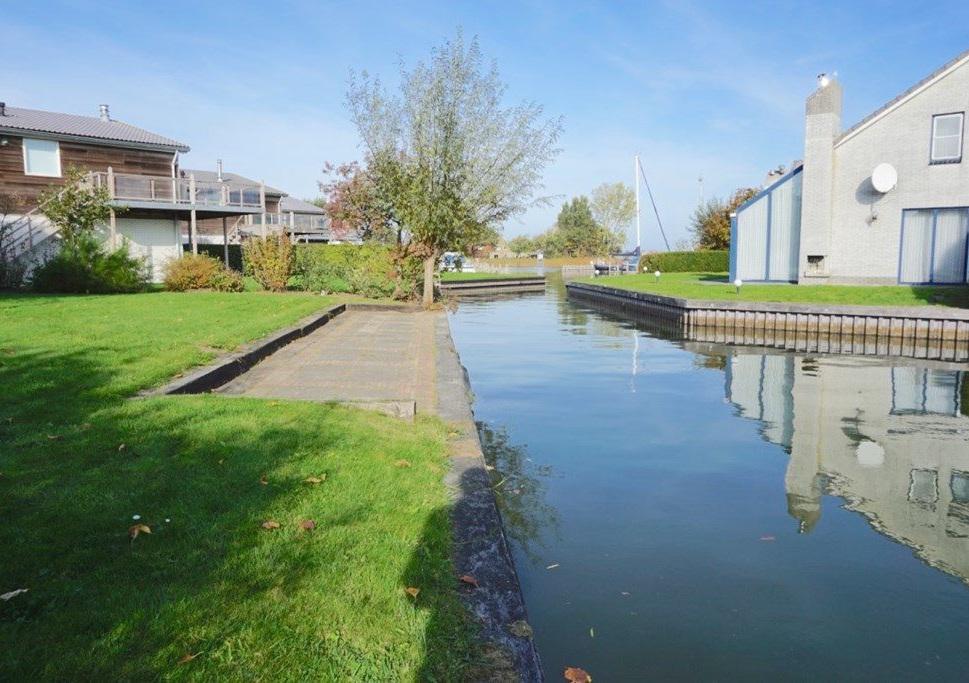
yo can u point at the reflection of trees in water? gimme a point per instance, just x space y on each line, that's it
519 489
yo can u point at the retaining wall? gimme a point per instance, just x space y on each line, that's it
931 332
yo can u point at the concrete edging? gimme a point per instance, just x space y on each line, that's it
497 284
480 546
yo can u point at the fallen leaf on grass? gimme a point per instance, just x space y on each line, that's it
54 437
189 657
469 580
136 529
307 525
270 525
315 480
520 628
13 594
574 674
413 592
263 480
121 447
402 463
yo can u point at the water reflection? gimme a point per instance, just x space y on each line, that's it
519 488
893 441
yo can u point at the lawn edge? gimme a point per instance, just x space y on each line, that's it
480 547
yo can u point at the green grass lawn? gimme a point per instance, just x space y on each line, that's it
452 276
209 593
715 286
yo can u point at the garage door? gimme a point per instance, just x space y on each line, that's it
155 239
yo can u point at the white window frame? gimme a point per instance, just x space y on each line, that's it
59 173
946 160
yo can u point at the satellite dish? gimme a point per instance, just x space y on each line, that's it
884 178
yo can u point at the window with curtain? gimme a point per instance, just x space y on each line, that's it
42 157
947 138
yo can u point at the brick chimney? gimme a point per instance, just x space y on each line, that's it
821 129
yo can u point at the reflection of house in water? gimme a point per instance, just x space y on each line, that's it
892 441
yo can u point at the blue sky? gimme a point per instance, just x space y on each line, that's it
695 88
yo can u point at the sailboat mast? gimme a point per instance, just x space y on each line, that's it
636 183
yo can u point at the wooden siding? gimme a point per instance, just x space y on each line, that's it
89 157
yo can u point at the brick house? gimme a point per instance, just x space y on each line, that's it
837 219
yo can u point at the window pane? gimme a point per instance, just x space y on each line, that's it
951 227
948 125
41 158
916 246
946 148
924 487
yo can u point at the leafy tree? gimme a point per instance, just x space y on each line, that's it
614 208
522 244
452 160
710 223
579 232
355 206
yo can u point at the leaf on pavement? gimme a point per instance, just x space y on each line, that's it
520 628
135 529
574 674
469 580
12 594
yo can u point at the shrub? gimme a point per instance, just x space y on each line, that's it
217 251
227 280
269 260
685 262
192 271
198 271
366 269
86 267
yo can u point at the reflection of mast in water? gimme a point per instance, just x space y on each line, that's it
632 379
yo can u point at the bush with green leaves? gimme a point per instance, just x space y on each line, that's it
85 266
703 261
200 271
269 260
366 269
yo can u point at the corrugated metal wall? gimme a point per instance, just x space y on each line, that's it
934 246
768 233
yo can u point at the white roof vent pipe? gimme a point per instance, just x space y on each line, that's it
218 166
103 112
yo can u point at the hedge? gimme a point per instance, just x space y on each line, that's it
685 262
365 269
217 251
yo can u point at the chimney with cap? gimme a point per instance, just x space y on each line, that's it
103 108
3 108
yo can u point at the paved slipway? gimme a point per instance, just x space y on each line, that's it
401 363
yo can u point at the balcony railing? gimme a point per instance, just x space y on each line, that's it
290 221
184 191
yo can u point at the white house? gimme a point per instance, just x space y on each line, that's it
836 219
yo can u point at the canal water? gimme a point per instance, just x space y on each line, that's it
694 511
